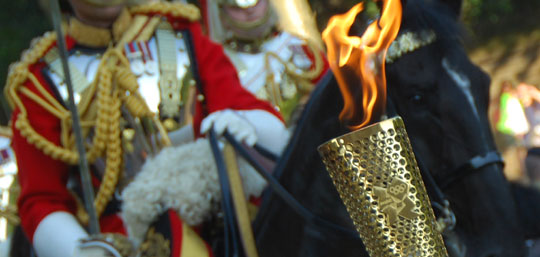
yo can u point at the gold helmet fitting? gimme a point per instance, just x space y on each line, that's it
239 3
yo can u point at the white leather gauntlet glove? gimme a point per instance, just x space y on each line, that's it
58 235
228 120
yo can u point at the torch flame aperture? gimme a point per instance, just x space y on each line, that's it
358 62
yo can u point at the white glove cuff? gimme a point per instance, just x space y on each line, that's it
58 235
271 132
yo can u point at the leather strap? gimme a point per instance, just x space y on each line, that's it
475 164
230 227
169 84
195 70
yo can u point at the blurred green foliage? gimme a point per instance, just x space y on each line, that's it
479 16
488 18
479 11
20 22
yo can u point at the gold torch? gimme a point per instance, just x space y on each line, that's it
373 167
375 173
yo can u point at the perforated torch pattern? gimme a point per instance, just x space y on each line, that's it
376 175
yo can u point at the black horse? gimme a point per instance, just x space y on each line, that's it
443 99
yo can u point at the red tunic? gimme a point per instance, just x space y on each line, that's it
44 180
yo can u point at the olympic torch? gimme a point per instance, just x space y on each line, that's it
373 167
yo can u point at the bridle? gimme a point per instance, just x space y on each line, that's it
439 201
473 165
406 43
447 220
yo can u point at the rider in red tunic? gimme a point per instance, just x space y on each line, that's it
135 87
274 46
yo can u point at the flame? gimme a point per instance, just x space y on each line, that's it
358 62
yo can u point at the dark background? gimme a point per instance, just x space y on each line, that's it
507 22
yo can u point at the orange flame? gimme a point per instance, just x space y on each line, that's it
359 61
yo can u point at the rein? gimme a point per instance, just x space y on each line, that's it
231 236
285 195
231 233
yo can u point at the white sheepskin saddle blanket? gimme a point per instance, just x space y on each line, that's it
183 178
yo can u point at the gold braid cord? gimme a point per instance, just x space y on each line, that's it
177 10
304 77
100 109
17 76
291 69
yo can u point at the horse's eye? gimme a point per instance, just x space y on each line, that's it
417 98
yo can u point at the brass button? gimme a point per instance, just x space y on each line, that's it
200 98
128 134
170 124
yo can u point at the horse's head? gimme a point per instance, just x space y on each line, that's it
443 99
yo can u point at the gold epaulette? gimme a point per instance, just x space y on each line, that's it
19 71
177 10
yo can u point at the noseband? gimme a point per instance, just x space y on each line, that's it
447 220
472 166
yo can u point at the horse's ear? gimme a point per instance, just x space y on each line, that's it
454 5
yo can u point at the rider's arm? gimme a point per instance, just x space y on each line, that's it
45 204
224 91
